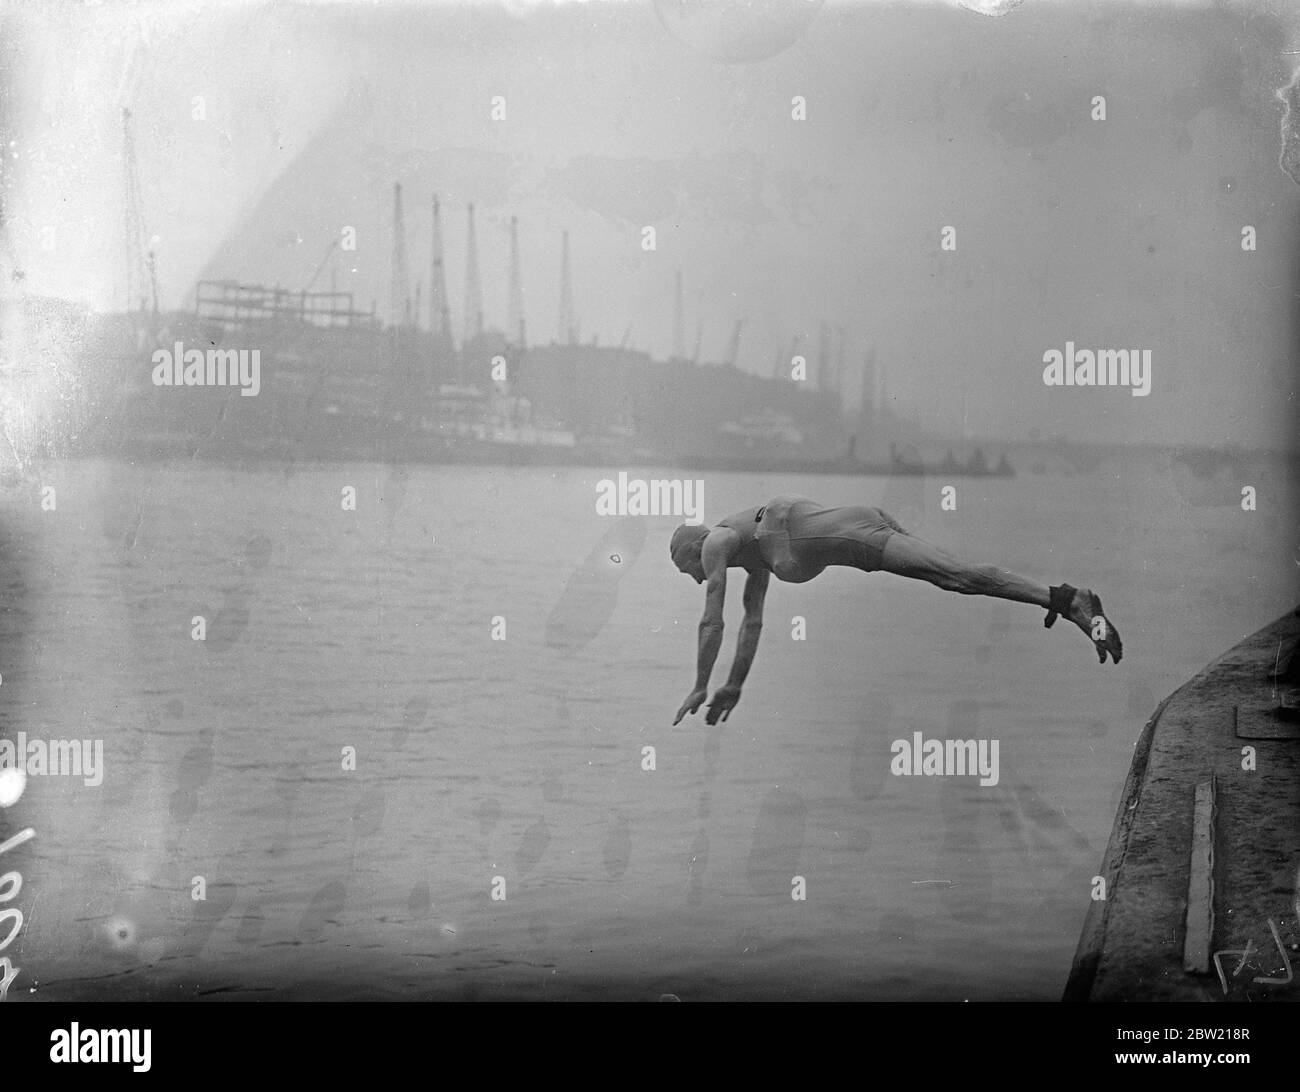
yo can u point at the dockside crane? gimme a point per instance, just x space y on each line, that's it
6 248
734 348
439 312
567 333
329 251
141 268
823 358
473 286
399 289
8 258
796 343
679 333
867 410
515 323
841 337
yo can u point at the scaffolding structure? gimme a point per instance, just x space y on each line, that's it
233 303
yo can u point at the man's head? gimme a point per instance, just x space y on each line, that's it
685 547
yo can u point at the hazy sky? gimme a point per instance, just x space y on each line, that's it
1123 233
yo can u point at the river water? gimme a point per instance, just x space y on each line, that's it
519 763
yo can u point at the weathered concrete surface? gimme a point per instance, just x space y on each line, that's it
1131 948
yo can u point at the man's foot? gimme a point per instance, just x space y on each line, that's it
1086 613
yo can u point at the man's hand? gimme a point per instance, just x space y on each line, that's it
724 701
1086 613
693 701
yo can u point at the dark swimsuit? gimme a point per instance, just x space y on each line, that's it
797 538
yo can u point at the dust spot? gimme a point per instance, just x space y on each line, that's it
324 908
777 842
419 901
617 848
489 815
531 847
258 552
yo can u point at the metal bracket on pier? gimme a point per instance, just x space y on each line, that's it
1278 718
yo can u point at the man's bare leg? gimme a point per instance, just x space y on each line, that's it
907 555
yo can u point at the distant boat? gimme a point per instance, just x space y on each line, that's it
901 466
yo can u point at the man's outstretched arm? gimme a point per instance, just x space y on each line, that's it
750 629
710 636
710 629
726 697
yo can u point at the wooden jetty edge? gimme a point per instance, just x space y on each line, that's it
1203 858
